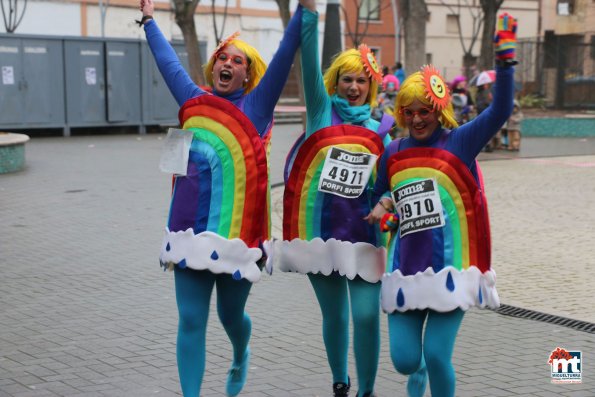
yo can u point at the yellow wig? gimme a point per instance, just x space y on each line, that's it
414 88
256 65
348 61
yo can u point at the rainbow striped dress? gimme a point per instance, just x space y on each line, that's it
442 262
443 267
219 213
324 232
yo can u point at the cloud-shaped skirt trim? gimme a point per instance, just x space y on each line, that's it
319 256
209 251
443 291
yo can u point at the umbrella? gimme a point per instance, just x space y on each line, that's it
485 77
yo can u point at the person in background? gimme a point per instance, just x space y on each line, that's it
514 127
483 99
385 71
461 100
439 252
399 72
215 231
386 97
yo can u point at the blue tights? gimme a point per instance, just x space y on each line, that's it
193 296
332 293
405 333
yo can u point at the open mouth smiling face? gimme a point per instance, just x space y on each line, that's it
354 87
230 70
421 120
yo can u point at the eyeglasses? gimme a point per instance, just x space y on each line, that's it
235 59
422 113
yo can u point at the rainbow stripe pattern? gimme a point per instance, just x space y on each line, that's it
221 201
323 232
304 212
452 261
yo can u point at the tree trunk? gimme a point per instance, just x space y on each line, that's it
486 55
469 61
184 13
332 43
415 15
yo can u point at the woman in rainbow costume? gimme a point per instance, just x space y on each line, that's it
219 214
327 195
439 252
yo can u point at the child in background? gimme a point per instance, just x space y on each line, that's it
386 98
514 127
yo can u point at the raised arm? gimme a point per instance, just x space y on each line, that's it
317 99
262 100
470 138
178 81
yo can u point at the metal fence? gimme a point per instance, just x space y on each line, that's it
559 69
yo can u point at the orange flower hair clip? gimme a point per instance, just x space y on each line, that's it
225 42
370 64
436 89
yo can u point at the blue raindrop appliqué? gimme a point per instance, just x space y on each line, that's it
237 275
400 298
167 247
182 264
450 284
480 296
214 255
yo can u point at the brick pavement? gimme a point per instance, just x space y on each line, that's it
85 310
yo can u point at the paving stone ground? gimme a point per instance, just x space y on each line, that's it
86 311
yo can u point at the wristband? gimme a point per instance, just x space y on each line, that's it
143 20
506 63
381 202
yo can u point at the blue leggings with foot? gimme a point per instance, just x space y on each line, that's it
405 333
193 296
333 294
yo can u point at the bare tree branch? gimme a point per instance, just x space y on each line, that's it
14 18
357 36
219 37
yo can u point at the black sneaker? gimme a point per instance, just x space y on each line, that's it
341 389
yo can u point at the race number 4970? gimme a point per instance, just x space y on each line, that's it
409 208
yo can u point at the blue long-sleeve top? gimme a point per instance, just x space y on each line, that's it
319 104
259 104
466 141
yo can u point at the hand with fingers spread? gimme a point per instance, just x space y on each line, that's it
505 37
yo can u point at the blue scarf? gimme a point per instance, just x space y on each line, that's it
356 115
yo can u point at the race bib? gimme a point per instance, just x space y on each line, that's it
175 151
419 206
346 173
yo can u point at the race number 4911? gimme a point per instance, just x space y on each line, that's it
345 173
